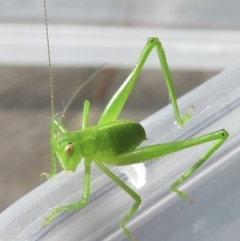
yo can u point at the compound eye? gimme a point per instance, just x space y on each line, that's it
69 150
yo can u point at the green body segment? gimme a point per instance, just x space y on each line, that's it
115 138
99 143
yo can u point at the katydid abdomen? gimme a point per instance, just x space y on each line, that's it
118 137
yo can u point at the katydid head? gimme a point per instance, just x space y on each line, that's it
64 144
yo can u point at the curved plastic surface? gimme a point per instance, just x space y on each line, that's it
215 188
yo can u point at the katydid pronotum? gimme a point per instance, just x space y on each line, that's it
115 142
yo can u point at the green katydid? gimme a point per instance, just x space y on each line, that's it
115 142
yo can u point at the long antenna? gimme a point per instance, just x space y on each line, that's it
52 126
89 79
51 75
49 61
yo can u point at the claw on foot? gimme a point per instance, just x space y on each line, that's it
48 175
190 200
182 195
46 222
127 232
188 114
